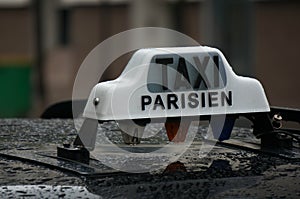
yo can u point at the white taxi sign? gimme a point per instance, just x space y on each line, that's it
175 82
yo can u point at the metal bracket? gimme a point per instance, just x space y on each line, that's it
77 154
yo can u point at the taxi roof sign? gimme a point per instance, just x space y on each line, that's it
175 82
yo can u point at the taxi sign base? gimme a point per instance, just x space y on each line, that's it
77 154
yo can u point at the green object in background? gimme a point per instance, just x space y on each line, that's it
15 89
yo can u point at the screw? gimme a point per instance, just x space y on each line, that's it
277 117
277 121
96 101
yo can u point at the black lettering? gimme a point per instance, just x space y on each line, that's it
212 97
182 100
227 98
182 72
158 102
164 62
146 100
172 100
203 99
201 72
216 72
193 102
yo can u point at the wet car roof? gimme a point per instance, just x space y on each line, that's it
225 172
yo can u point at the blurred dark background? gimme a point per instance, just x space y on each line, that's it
43 42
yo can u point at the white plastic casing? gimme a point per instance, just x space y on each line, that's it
121 99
